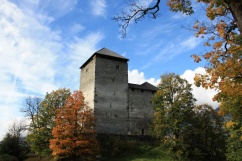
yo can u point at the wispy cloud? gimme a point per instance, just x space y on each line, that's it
167 51
78 52
32 60
98 7
27 61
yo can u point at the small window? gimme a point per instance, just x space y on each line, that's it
116 115
142 90
87 70
132 89
117 66
143 131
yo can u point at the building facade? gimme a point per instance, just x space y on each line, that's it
119 107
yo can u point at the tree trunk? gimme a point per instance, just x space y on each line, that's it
235 6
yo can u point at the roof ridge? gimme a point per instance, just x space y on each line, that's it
107 52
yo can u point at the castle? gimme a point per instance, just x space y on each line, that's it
119 107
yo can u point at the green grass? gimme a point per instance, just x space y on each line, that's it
142 153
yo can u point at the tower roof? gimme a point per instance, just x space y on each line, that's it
145 86
107 53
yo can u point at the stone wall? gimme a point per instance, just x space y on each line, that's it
111 103
140 111
87 82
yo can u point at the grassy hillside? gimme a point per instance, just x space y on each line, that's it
142 153
131 148
125 148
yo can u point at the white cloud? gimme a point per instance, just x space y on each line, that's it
137 77
202 95
190 43
98 7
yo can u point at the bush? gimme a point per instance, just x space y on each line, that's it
6 157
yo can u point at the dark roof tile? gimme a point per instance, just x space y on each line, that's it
105 52
145 86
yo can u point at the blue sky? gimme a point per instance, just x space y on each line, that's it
43 44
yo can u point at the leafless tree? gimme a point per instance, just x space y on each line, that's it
30 107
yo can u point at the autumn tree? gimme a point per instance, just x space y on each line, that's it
226 9
74 136
173 105
40 131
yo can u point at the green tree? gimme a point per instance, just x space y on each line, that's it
173 105
10 145
74 135
40 131
234 150
13 143
207 137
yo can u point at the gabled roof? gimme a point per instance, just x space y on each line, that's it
105 52
145 86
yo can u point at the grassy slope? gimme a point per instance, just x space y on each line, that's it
142 153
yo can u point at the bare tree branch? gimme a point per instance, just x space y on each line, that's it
31 107
136 13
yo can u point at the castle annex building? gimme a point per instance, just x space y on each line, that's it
119 107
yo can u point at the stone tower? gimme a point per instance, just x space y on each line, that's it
104 83
119 107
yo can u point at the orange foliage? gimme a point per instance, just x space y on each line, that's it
224 70
74 134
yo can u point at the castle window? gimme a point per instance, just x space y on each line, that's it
132 89
87 70
143 131
117 66
116 115
142 90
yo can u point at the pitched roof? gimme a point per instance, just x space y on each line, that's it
106 52
145 86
